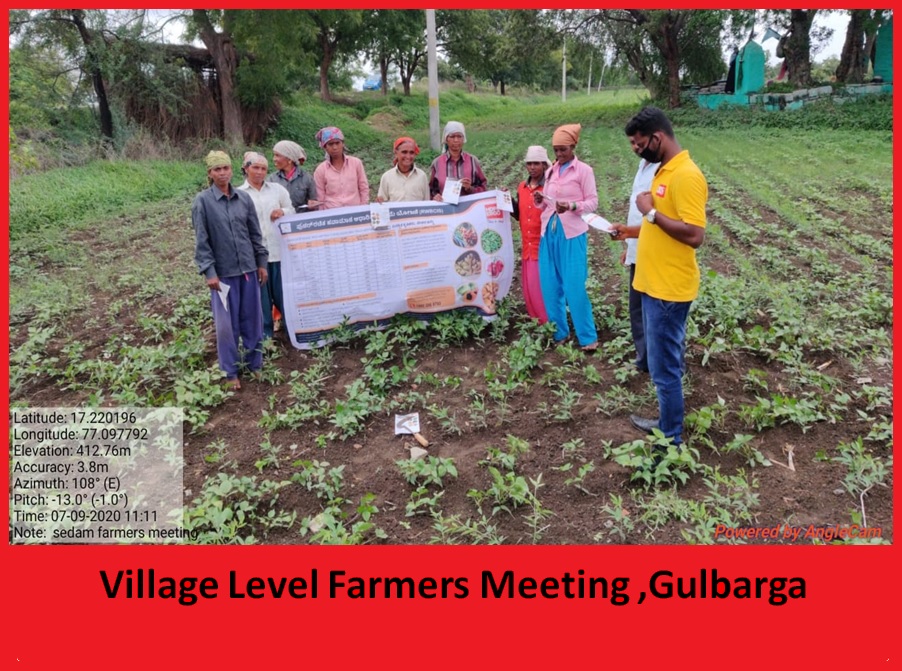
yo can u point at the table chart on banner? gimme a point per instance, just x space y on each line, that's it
423 258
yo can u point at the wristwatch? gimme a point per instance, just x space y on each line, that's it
650 215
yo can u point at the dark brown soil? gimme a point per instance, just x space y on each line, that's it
810 494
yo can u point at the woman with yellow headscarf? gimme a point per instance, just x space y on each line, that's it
569 193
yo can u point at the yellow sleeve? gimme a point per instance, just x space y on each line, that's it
690 195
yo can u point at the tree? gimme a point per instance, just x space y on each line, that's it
175 90
799 41
277 53
663 46
42 86
69 31
503 46
225 60
337 33
860 35
797 48
396 37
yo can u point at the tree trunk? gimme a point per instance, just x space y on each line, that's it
797 49
852 61
502 87
636 61
471 87
869 43
663 29
671 53
383 70
225 61
93 66
324 66
407 67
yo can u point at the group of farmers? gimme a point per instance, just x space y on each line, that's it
238 253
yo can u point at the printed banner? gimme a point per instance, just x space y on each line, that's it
427 257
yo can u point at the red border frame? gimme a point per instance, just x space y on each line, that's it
57 614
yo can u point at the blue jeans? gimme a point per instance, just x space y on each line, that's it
664 323
636 326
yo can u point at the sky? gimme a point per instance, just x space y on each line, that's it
838 21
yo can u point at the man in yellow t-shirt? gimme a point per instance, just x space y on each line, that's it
666 273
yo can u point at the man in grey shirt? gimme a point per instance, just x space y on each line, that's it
230 254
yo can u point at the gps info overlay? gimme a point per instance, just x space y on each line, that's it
95 475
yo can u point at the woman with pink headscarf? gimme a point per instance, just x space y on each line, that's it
340 179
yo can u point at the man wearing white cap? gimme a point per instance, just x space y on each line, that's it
288 157
455 163
271 201
530 218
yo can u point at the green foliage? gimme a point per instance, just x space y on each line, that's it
538 512
456 327
506 491
320 478
489 44
29 361
619 522
230 508
799 314
505 458
335 526
864 469
579 478
780 409
874 113
655 460
280 43
306 115
447 419
655 41
728 502
197 391
423 501
428 471
350 413
91 193
454 531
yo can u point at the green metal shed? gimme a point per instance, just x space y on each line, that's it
883 52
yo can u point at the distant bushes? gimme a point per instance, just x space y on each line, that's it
867 113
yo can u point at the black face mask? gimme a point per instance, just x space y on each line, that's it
649 154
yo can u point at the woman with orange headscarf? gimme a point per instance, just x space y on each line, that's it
405 181
569 193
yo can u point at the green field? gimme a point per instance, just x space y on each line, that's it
789 390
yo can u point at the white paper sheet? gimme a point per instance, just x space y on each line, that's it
597 221
407 423
224 295
451 192
380 216
504 201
